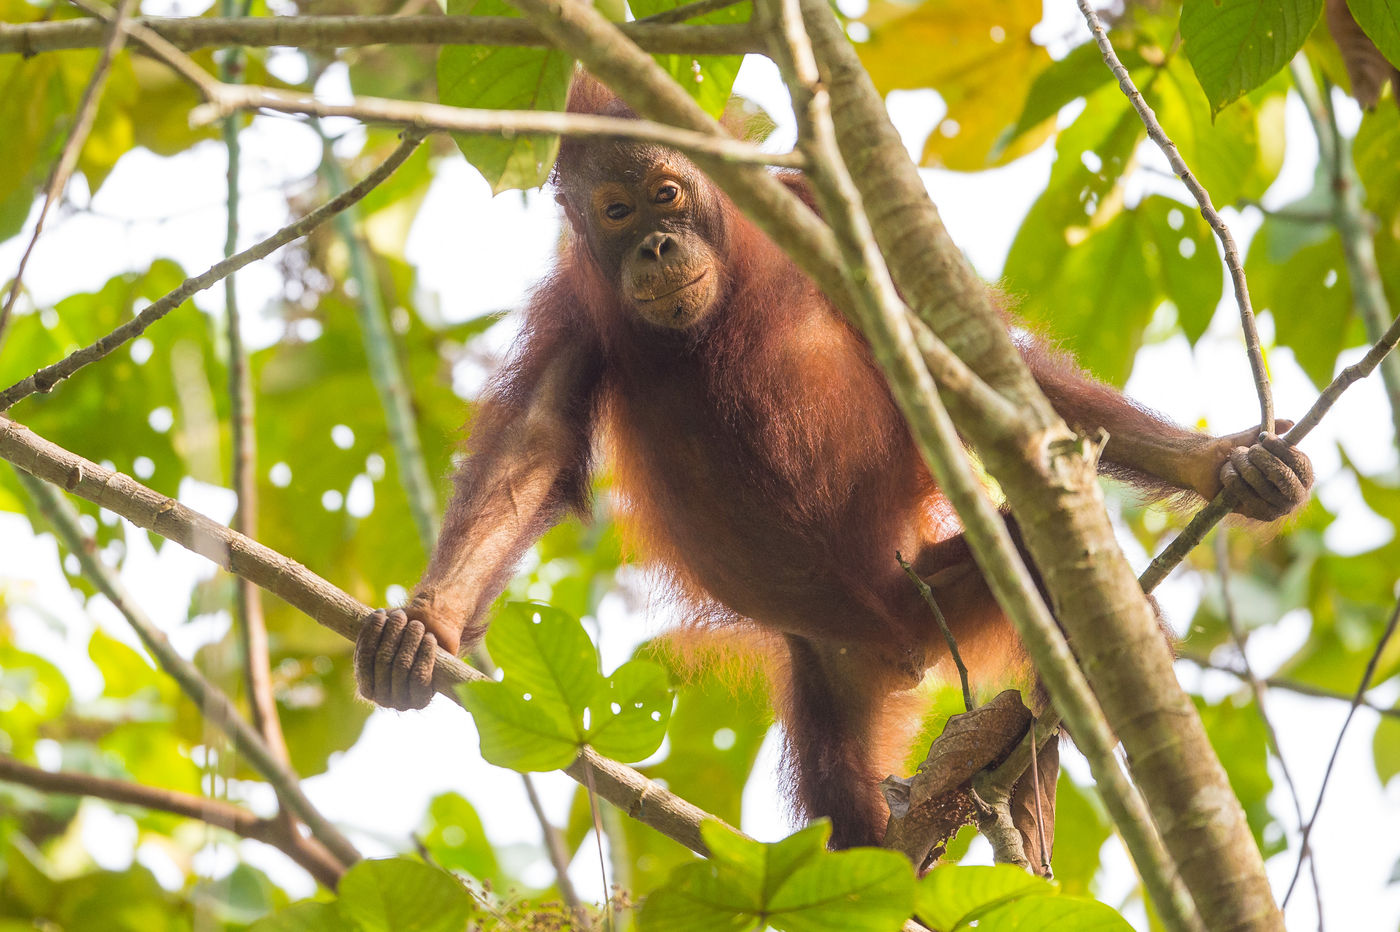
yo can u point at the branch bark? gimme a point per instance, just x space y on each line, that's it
304 851
325 604
189 33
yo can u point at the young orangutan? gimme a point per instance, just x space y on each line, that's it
758 458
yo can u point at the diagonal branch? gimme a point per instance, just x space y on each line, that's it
306 852
215 704
45 379
1220 506
189 33
113 38
624 787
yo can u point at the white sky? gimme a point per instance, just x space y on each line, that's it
476 253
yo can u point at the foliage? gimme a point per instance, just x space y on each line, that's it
1111 259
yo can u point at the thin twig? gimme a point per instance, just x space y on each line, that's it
305 852
1220 506
45 379
113 38
932 603
429 117
1257 688
641 798
190 33
1337 747
153 42
216 705
1287 685
1233 261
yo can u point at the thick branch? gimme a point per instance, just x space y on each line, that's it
1050 480
306 852
619 784
45 379
332 32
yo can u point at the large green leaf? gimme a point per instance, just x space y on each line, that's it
1007 899
794 885
504 78
1238 735
708 78
551 699
1380 20
1376 151
403 895
1236 45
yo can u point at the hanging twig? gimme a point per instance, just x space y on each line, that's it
1258 689
1337 747
304 851
952 642
217 706
113 38
1233 261
45 379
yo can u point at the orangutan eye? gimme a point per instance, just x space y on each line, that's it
666 193
616 211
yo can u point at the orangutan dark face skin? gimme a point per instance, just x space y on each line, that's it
657 231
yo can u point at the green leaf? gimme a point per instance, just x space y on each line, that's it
952 895
1235 46
1380 20
307 916
455 838
1053 914
504 78
1081 828
534 718
515 732
1385 748
707 78
403 895
794 885
1308 293
1238 735
629 716
1376 151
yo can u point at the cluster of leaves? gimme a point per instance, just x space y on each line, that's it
1102 265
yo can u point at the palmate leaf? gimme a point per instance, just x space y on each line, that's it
794 885
1236 45
551 699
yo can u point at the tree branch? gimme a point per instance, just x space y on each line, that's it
427 117
1233 262
327 605
189 33
1223 503
45 379
305 852
212 701
112 39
